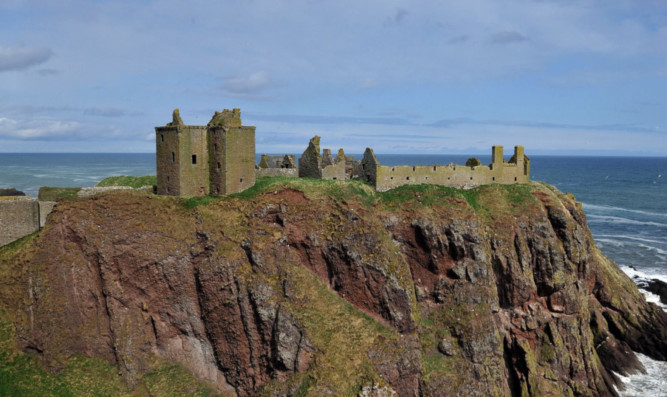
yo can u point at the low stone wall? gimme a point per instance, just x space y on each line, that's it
285 172
334 171
18 218
45 208
459 176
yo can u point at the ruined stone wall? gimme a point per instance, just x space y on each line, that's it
193 166
182 160
368 167
334 171
19 216
459 176
284 172
232 159
45 208
310 162
167 159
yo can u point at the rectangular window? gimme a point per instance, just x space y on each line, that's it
194 159
162 137
173 157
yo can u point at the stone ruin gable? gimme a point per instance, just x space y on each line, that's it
517 170
385 177
227 118
312 164
336 168
277 165
232 153
184 164
277 161
368 167
19 216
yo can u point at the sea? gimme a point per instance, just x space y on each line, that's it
624 198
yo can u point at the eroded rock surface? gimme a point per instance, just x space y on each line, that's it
502 292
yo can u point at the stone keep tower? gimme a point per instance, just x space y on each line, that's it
215 159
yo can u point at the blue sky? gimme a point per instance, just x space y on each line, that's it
559 77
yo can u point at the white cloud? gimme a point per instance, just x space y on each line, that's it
250 84
37 128
21 57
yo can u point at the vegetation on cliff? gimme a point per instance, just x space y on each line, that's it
313 287
128 180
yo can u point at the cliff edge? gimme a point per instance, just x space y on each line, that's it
305 287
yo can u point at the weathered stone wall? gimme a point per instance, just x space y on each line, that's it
19 216
182 160
45 208
334 171
277 161
284 172
167 158
194 171
369 166
460 176
310 162
233 159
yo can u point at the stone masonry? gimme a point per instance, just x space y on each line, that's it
216 159
384 178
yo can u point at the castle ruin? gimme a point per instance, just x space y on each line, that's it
219 159
215 159
383 178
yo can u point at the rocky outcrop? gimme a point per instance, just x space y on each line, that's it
11 192
418 292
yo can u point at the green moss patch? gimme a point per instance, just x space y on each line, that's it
47 193
128 180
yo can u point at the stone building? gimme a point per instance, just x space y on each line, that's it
277 165
516 170
312 164
215 159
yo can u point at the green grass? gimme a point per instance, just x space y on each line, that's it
128 180
22 374
47 193
428 195
193 202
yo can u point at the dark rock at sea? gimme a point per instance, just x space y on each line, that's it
655 286
11 192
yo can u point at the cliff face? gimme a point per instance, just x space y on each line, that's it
321 287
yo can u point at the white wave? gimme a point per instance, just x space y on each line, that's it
622 236
653 298
618 219
643 274
657 250
615 243
652 383
610 208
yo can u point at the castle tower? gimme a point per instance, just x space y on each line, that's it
182 159
496 157
216 159
522 161
232 153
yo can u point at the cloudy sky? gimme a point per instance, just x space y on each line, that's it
446 76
